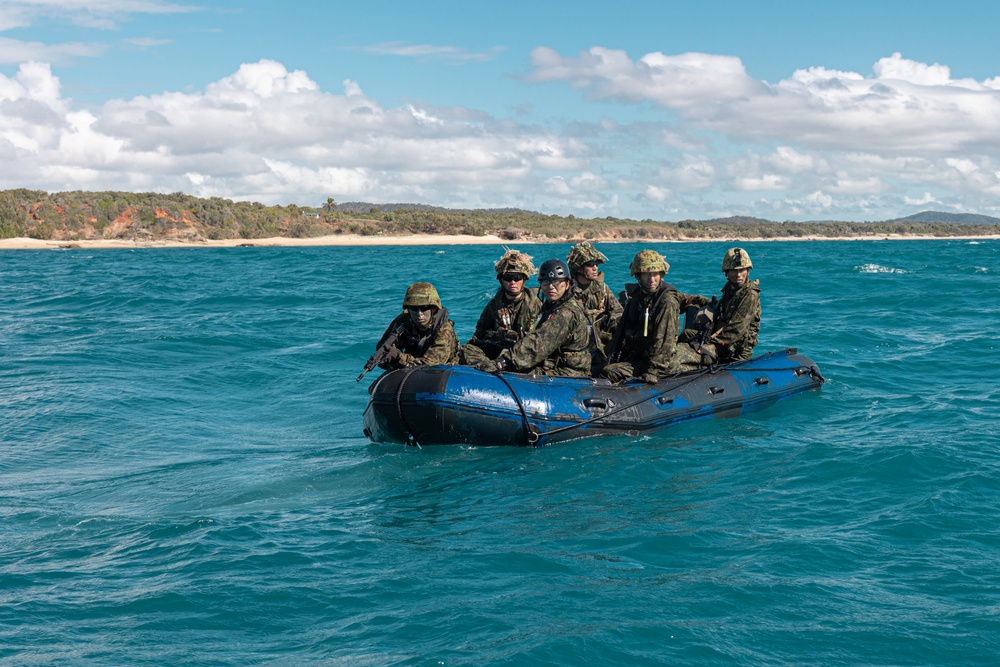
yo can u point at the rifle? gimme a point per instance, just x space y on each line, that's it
382 353
701 322
493 348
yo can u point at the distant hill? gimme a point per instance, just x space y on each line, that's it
149 216
955 218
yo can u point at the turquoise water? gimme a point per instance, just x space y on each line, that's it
184 480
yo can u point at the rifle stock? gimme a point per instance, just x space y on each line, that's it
493 348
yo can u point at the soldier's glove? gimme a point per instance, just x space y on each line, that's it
617 372
649 378
487 365
503 362
392 354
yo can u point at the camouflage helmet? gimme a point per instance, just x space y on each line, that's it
582 253
648 261
736 258
553 269
514 262
421 294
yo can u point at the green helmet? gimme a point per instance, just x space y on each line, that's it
648 261
582 253
421 294
736 258
514 262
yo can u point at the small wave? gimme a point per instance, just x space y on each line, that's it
982 269
877 268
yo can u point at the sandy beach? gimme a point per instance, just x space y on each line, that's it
411 240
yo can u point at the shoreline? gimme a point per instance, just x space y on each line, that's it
423 239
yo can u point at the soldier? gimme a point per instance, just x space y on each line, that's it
560 343
509 315
603 309
427 336
736 320
645 344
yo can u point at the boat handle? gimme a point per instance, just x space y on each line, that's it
598 403
802 370
716 390
761 381
663 400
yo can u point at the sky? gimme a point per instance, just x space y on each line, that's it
656 110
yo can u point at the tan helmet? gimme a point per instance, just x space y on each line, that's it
421 294
582 253
736 258
514 262
648 261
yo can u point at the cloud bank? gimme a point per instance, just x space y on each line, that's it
821 144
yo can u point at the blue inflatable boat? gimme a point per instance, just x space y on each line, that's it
436 405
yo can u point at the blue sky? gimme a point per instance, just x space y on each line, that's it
661 110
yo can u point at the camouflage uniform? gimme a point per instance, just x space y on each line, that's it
736 320
502 323
603 309
435 345
559 345
651 350
646 339
504 320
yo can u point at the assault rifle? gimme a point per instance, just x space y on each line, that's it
492 348
382 353
698 324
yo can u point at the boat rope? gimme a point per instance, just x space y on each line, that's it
813 370
530 431
615 411
411 438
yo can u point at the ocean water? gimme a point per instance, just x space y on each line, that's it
184 479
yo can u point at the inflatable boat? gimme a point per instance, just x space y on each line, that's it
436 405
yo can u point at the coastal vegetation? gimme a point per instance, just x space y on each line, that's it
79 215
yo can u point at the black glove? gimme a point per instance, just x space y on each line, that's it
392 354
617 372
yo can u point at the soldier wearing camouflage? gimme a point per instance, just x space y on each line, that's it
645 345
560 342
428 336
510 314
737 316
598 300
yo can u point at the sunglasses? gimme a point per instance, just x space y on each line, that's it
419 309
591 264
512 277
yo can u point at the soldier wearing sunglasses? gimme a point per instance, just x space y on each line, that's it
422 334
509 315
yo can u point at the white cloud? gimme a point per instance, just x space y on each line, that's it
272 135
678 81
451 54
928 198
761 182
695 172
907 108
14 51
99 14
806 146
352 89
657 194
95 14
